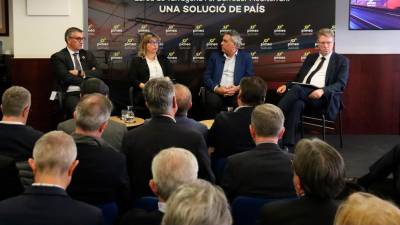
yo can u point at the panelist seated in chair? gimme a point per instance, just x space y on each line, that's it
72 65
328 72
224 71
147 65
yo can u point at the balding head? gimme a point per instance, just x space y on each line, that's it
183 99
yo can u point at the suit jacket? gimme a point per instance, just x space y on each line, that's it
303 211
142 217
10 182
139 70
192 124
230 133
337 75
101 176
40 205
143 143
215 66
61 63
17 141
264 171
113 134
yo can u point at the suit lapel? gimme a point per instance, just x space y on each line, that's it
68 59
238 62
308 65
330 70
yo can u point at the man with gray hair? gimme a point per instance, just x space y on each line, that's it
170 168
142 143
46 201
198 203
101 176
17 139
318 177
265 170
224 71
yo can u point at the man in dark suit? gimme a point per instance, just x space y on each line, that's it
142 143
265 170
72 65
327 78
101 176
224 71
17 139
46 201
318 178
10 182
170 168
230 133
184 101
114 132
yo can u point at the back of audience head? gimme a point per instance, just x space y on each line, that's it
94 85
319 169
16 102
183 99
267 121
171 168
93 111
366 209
197 203
159 95
54 155
252 91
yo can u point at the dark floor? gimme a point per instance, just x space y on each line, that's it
360 151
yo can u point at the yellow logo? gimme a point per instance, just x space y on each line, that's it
280 27
185 40
171 27
170 54
307 26
198 54
198 27
266 40
253 53
211 40
116 54
143 26
253 27
225 27
116 26
129 40
293 40
305 54
279 54
103 40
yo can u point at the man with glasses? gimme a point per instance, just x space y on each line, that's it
71 65
321 75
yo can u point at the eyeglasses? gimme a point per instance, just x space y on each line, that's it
325 43
78 38
153 42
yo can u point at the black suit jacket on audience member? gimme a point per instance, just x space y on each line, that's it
17 141
47 206
303 211
139 70
230 133
143 143
264 171
337 75
101 175
61 63
192 124
142 217
9 177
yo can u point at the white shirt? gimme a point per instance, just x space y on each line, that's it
72 88
229 70
12 122
319 78
154 68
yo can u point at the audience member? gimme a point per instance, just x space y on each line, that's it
365 209
230 133
328 78
17 139
224 71
46 202
114 132
101 176
265 170
143 143
375 180
197 203
72 65
171 168
184 101
10 182
318 177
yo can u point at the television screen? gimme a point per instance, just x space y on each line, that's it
374 15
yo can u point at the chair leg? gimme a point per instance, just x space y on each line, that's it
340 129
323 127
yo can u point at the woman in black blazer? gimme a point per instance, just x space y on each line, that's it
147 65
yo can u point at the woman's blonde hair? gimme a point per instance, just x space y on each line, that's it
146 39
366 209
